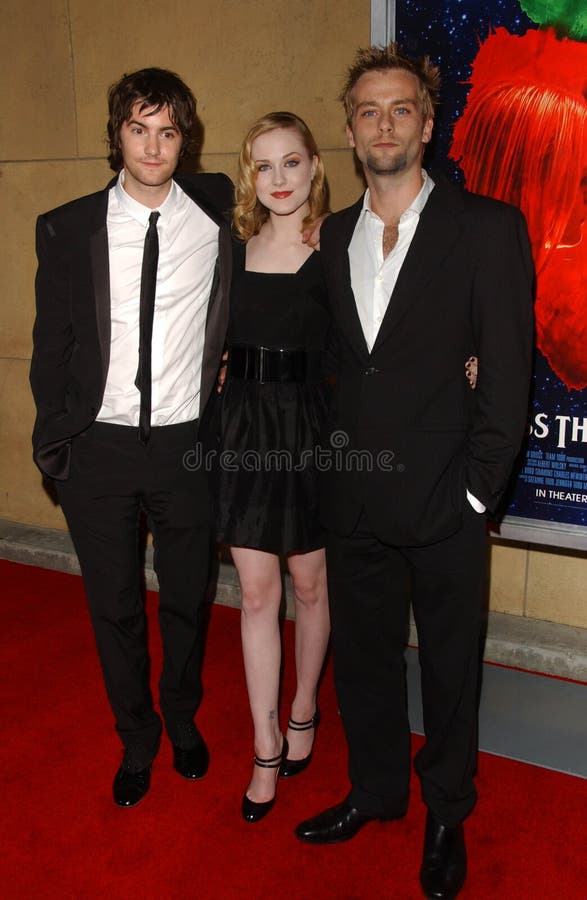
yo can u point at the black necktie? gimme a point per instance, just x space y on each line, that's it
147 314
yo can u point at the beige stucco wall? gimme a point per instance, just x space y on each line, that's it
57 59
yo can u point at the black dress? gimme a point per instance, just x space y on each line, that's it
266 490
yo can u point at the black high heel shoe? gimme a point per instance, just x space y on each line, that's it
254 812
291 767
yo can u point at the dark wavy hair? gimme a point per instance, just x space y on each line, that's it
151 88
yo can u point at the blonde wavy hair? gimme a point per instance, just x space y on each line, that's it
249 214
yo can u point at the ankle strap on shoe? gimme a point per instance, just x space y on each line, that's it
305 726
275 761
272 763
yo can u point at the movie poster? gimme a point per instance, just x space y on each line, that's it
513 125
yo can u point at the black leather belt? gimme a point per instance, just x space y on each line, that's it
264 364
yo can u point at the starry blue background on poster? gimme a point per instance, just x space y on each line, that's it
450 33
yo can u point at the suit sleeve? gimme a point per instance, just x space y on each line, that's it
502 321
331 355
220 189
227 195
52 331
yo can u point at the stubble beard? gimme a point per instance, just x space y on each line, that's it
378 166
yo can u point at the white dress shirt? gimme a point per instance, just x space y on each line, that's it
188 247
373 277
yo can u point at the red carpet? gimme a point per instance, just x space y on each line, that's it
64 838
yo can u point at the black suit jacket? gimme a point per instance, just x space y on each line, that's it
71 336
419 434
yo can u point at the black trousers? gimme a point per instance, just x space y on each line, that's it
370 586
113 477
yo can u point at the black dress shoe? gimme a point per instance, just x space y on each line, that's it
339 823
290 767
192 763
129 788
250 809
444 861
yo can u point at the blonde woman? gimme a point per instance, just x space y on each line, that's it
272 409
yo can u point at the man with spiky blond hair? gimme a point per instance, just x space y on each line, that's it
421 275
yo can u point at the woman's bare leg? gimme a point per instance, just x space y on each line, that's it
308 572
260 580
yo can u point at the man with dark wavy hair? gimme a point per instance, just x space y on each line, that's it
132 309
421 276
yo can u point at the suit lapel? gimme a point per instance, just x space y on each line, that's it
217 314
346 309
98 244
437 232
222 272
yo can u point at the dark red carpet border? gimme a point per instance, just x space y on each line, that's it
64 838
